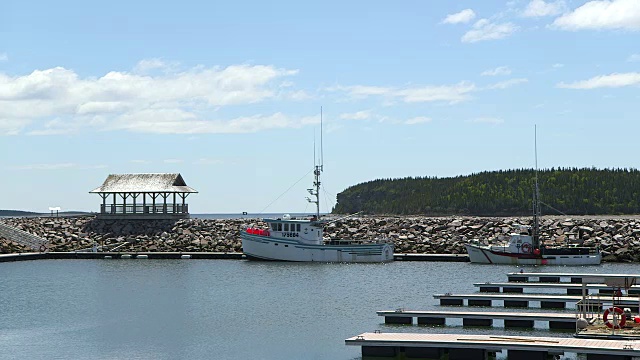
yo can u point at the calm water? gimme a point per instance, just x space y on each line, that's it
222 309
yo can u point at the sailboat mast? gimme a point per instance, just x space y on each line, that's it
536 194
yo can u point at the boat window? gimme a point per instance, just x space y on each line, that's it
274 227
286 227
298 227
279 226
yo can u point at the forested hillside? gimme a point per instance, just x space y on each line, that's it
499 193
16 213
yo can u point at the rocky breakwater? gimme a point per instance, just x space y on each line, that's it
619 238
75 234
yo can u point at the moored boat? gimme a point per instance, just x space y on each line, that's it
302 239
294 239
526 247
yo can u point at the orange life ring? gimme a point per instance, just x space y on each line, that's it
621 318
526 248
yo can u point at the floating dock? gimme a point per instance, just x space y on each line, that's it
556 321
119 255
432 257
568 277
571 288
197 255
479 347
524 300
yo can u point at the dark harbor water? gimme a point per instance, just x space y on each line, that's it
224 309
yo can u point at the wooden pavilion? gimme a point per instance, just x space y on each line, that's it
144 196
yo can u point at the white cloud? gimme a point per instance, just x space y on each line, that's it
557 65
417 120
57 166
207 161
539 8
487 120
137 161
507 83
484 30
4 57
359 115
633 58
173 161
146 65
432 93
12 126
182 122
500 70
297 95
463 16
602 14
106 102
605 81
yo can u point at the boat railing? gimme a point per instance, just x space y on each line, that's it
358 241
258 231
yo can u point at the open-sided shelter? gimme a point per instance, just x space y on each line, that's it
144 196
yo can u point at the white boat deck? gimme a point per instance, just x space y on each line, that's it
613 348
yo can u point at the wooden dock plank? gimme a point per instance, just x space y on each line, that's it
574 275
565 285
498 343
540 316
535 297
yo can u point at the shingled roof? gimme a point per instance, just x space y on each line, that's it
144 183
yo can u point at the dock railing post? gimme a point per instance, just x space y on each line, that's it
584 297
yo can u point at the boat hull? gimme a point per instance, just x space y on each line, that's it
484 255
270 248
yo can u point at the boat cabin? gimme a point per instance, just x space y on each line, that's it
307 231
303 230
521 243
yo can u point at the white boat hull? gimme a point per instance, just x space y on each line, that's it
271 248
485 255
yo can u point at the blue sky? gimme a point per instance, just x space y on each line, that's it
229 93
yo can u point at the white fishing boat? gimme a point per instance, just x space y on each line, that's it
526 248
302 239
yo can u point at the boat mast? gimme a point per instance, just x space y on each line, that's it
536 194
319 167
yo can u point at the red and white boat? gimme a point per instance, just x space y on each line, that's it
528 249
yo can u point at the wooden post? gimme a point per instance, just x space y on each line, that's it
104 203
183 196
144 203
124 202
134 196
174 203
164 204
